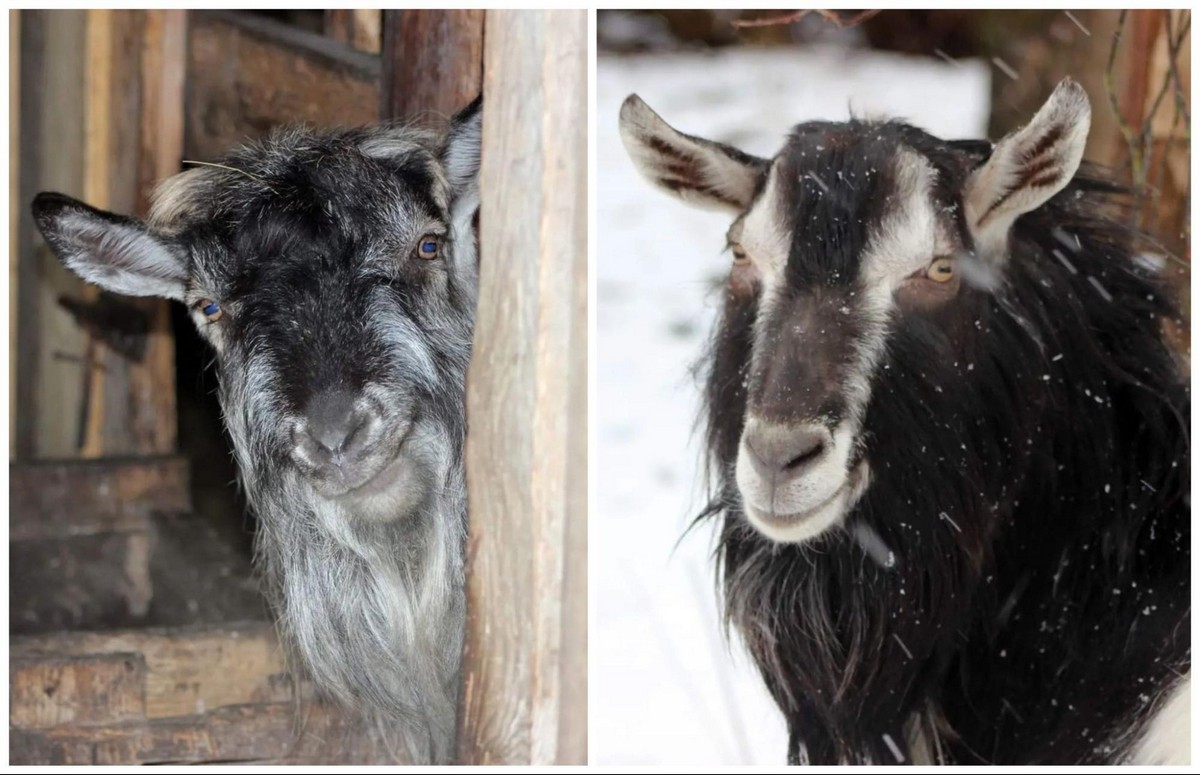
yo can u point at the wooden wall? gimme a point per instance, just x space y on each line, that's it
94 373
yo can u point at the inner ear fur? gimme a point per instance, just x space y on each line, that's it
1027 167
700 172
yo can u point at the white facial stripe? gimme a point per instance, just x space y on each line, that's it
764 236
911 235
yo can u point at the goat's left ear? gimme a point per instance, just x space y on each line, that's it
1027 167
460 153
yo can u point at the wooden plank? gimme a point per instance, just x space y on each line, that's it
250 734
522 685
247 75
150 408
189 670
94 689
85 581
52 98
361 29
197 694
14 209
433 62
59 499
81 393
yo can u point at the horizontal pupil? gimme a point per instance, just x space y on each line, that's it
211 309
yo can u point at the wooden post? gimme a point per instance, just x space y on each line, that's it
524 694
95 88
14 219
359 29
433 61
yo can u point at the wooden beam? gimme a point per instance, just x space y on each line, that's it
60 499
360 29
524 695
247 75
433 62
215 694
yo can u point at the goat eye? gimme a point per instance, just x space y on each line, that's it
941 270
739 256
210 309
429 247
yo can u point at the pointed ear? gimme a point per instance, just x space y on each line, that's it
1027 167
119 254
461 153
699 172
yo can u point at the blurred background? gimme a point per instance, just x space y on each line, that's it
667 687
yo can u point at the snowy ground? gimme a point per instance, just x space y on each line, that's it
665 687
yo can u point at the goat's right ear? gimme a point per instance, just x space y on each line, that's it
117 253
698 171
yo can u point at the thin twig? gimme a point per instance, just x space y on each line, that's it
795 16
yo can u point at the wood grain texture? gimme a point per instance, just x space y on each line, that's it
156 155
524 695
60 499
14 218
360 29
246 76
433 62
82 89
203 694
49 390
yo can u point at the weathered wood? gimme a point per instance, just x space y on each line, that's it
50 389
189 670
97 689
94 580
248 734
82 92
159 151
433 62
60 499
524 696
212 694
247 75
361 29
14 209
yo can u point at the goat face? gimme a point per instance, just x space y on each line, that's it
856 241
334 275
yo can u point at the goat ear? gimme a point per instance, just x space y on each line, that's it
460 158
698 171
117 253
460 154
1027 167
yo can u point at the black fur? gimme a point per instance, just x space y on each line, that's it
1029 452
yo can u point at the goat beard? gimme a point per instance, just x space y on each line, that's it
374 613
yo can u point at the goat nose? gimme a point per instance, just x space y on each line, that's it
783 452
335 428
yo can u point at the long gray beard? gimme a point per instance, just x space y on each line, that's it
374 613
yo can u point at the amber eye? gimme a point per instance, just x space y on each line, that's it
941 270
739 256
429 247
210 309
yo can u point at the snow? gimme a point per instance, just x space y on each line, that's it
665 686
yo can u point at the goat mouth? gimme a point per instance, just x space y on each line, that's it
808 523
382 477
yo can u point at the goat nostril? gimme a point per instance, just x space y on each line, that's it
807 456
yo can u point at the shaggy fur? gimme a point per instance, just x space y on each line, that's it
1013 584
306 240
